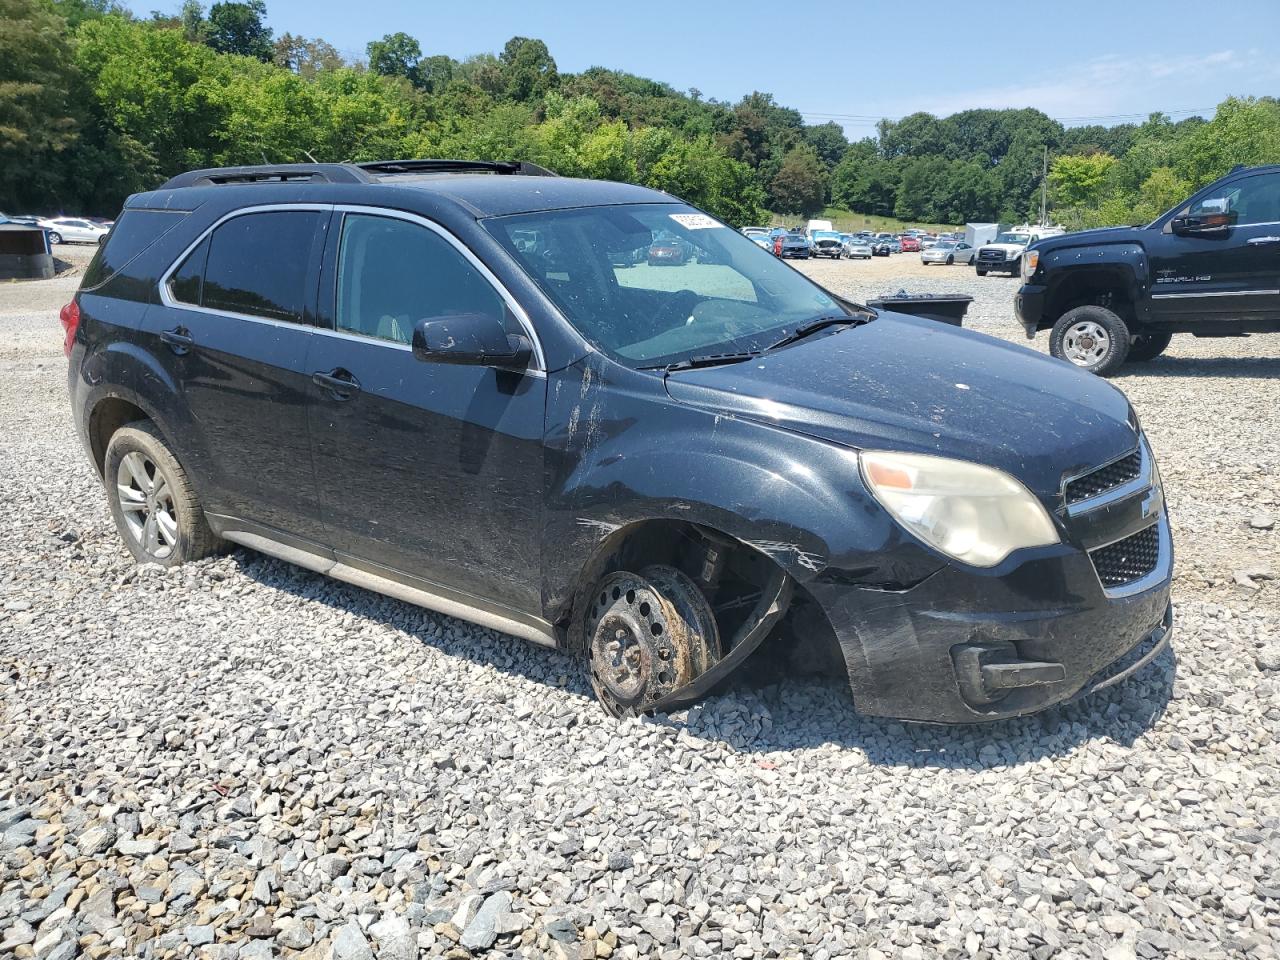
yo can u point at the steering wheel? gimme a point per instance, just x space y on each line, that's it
680 306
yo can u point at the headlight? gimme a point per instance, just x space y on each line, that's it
974 513
1030 260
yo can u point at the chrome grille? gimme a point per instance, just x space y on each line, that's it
1105 478
1129 559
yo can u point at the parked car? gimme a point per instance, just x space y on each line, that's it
667 250
409 400
826 243
1208 267
885 246
792 246
752 232
73 230
948 252
909 244
857 248
1004 254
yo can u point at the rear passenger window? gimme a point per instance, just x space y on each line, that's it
258 263
185 284
392 273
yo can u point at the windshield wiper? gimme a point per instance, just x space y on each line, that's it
813 326
703 360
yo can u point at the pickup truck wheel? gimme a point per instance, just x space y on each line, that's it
648 634
1148 346
982 271
152 501
1092 338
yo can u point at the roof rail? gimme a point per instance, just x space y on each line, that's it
511 167
278 173
348 172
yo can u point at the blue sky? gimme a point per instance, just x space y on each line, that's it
853 61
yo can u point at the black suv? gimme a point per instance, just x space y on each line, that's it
453 383
1210 267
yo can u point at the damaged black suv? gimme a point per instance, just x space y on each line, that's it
463 385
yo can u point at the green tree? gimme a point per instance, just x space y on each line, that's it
528 68
828 140
436 73
865 182
1242 131
800 185
39 120
1079 180
395 55
237 27
306 57
192 21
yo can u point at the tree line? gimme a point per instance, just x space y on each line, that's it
97 103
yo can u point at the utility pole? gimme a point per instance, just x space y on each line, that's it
1044 189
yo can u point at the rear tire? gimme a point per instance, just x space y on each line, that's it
648 634
1092 338
1148 346
152 502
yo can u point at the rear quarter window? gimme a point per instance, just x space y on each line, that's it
134 232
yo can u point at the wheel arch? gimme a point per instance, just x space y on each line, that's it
803 636
1110 278
107 416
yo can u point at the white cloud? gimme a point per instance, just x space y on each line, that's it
1111 85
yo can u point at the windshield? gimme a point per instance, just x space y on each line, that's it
720 293
1013 238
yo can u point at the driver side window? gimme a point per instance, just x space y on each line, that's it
393 273
1253 200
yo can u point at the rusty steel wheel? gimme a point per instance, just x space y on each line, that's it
648 634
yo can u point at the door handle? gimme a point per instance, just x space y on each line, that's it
1261 241
179 340
340 383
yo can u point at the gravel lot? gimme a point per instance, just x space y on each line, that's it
241 759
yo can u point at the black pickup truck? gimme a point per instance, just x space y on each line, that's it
1209 267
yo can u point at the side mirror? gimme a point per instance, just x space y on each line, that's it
1203 224
475 339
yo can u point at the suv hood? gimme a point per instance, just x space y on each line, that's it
904 383
1006 247
1086 238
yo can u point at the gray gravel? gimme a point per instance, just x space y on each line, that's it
240 759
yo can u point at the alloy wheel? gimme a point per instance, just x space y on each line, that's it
1086 343
146 501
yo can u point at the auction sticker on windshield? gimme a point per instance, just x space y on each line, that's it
695 221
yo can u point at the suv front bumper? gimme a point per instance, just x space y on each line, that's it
1044 626
1028 304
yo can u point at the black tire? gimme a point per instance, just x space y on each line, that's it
647 634
1092 338
951 261
55 237
164 522
982 271
1147 346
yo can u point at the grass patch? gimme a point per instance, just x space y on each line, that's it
846 221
